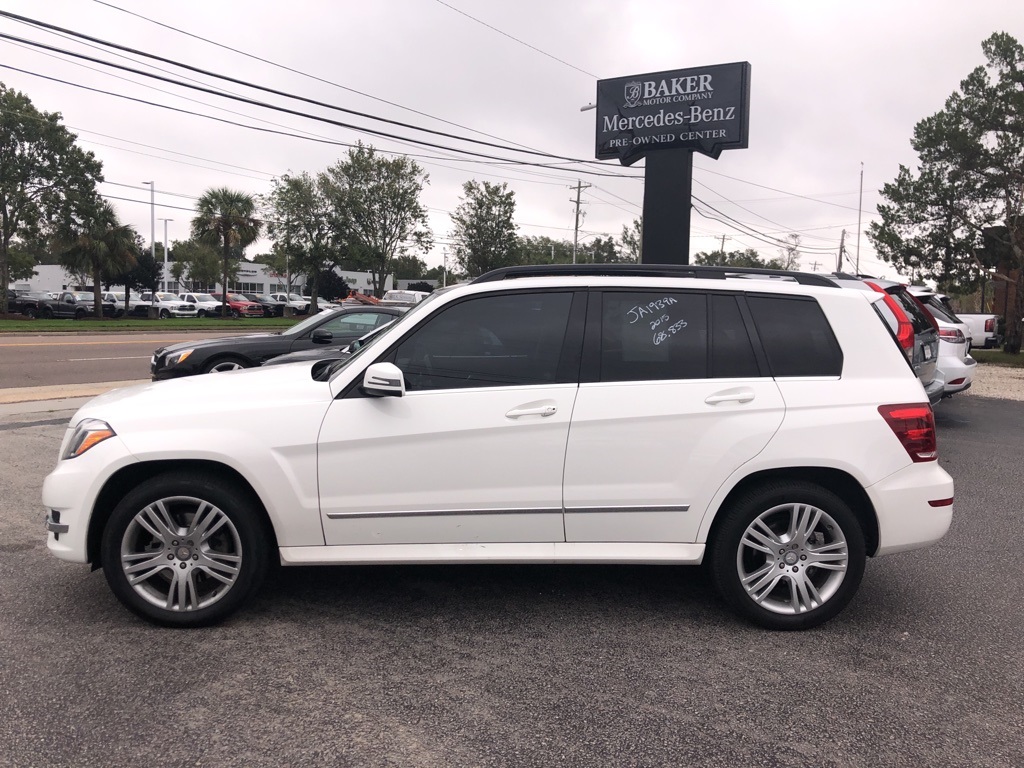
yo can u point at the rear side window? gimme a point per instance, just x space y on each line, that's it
796 336
913 310
653 335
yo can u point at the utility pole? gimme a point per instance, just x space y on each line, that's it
814 265
166 281
580 186
722 248
444 269
839 261
860 205
152 225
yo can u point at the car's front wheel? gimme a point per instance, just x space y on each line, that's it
220 365
788 555
185 550
164 314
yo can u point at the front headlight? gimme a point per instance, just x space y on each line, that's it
177 357
88 433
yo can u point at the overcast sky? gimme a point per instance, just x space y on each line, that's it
834 85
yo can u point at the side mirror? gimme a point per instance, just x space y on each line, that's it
320 336
384 380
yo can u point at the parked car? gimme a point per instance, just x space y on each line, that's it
939 307
205 304
911 325
239 306
338 328
73 304
25 302
403 298
271 307
123 305
167 305
770 429
298 303
333 352
984 329
954 364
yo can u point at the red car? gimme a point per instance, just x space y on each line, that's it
239 306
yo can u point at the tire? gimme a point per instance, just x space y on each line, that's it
46 313
79 314
201 313
29 312
760 553
164 314
119 313
234 313
222 364
185 550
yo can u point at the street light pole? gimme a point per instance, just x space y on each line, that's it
165 251
152 225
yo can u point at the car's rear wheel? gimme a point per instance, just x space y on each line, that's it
185 550
788 555
222 364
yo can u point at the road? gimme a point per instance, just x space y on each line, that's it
45 359
528 666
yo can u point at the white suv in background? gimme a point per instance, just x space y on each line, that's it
771 429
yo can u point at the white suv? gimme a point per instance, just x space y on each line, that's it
770 428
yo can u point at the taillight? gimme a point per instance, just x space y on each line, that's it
904 328
954 335
914 426
990 325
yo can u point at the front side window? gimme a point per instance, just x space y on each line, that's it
488 341
356 323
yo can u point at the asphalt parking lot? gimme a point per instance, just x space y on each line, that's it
527 666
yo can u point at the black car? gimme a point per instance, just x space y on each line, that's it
336 328
333 352
271 307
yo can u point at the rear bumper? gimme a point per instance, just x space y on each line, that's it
935 390
904 503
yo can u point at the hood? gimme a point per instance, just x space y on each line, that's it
249 396
201 343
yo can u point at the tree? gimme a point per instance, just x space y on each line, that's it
330 285
100 245
970 178
226 218
376 210
745 258
44 176
422 286
484 232
408 267
789 254
301 221
631 241
198 264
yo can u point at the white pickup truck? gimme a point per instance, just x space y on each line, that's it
984 329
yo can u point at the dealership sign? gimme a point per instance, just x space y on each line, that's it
704 109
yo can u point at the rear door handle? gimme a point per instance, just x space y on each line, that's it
732 396
543 410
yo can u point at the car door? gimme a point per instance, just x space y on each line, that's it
673 398
473 452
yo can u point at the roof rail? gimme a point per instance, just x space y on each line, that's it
649 270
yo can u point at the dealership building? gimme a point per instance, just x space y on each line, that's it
250 278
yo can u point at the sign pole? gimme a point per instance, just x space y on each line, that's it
668 181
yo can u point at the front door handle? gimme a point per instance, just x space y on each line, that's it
543 410
731 396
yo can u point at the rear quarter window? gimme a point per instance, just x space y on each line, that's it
796 336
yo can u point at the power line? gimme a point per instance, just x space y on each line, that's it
516 39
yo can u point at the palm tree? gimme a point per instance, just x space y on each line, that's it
99 245
224 218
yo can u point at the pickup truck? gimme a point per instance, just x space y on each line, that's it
984 329
166 304
74 304
121 308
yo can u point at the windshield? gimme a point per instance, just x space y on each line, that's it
371 343
81 295
118 296
204 297
167 297
295 297
940 310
